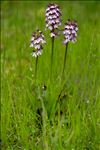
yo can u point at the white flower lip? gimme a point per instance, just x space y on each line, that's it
65 41
52 34
31 45
37 53
50 27
43 41
55 26
37 46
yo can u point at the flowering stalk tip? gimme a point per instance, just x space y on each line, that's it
53 20
37 41
70 31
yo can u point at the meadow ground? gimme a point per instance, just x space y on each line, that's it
33 118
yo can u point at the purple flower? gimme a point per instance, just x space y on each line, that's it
53 18
37 40
70 31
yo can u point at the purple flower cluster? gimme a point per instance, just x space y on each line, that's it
53 18
37 41
70 31
53 22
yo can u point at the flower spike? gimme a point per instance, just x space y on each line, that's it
70 31
37 40
53 18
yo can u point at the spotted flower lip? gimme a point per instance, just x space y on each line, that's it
53 20
37 41
70 31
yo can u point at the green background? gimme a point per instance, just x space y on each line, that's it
79 125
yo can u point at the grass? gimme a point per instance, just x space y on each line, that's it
30 122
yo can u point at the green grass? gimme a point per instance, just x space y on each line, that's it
73 123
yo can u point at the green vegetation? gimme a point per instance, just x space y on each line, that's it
36 119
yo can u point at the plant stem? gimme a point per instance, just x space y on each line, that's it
36 68
52 49
64 61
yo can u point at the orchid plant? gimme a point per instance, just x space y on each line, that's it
53 22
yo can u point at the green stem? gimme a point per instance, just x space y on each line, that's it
52 49
36 68
64 61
